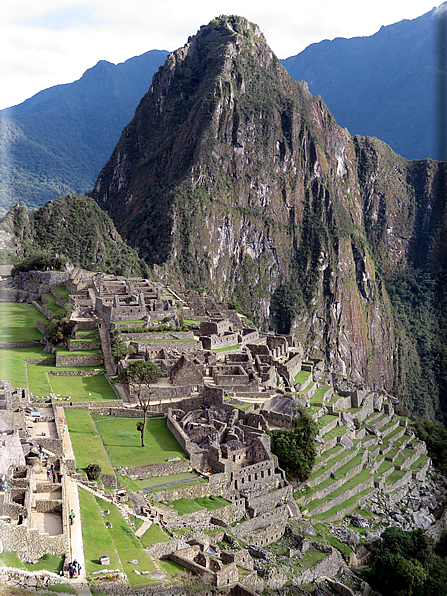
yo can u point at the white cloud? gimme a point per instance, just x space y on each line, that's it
50 42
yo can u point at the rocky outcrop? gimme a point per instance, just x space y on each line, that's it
233 178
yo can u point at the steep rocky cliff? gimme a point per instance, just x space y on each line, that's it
234 178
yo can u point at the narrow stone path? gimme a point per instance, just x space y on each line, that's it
142 529
75 530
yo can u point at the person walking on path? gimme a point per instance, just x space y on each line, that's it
71 516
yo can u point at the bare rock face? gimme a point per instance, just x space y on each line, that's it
233 178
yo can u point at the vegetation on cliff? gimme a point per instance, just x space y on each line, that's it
409 564
70 228
232 178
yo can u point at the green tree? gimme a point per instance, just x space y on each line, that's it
140 373
59 328
294 447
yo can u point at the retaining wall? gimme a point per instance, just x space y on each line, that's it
163 469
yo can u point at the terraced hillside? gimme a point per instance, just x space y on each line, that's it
364 447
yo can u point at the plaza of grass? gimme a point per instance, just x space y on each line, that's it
35 369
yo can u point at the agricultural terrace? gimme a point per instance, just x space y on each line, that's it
94 388
18 322
122 441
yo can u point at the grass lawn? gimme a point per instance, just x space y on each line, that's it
227 349
18 322
85 440
127 546
66 352
12 363
172 568
122 441
50 303
139 321
183 506
95 536
62 292
212 502
128 483
154 535
50 562
302 376
78 388
190 505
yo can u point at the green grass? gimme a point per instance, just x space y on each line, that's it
64 588
212 502
140 321
191 322
52 563
94 332
127 546
86 442
128 483
183 506
96 538
227 349
50 304
349 485
78 388
12 363
122 441
148 482
18 322
41 384
395 476
302 376
319 394
154 535
12 560
49 562
172 568
62 292
66 352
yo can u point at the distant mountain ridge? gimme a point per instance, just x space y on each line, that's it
382 86
57 141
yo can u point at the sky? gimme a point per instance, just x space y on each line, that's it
51 42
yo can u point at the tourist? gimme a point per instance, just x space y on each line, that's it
71 516
48 475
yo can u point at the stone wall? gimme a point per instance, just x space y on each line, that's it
202 489
215 342
30 543
30 579
80 360
267 534
43 310
277 419
19 344
155 470
328 567
41 327
268 501
49 506
181 346
344 496
275 516
75 346
7 295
